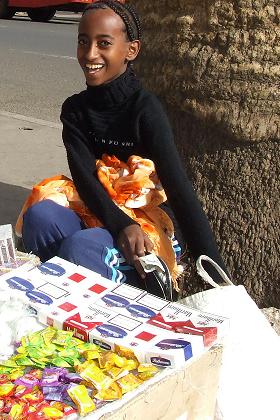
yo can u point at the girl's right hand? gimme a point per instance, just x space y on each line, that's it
134 243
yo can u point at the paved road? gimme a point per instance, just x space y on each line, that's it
38 67
37 72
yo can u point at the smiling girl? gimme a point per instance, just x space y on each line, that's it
117 116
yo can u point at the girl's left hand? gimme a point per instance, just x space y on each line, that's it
134 243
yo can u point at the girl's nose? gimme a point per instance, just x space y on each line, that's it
92 52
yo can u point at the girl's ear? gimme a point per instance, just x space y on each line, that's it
133 50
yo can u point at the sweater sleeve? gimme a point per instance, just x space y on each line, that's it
158 137
81 163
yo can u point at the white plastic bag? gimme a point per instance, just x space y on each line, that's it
250 372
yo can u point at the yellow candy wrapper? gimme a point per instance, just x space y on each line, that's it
116 372
114 392
48 334
6 389
15 374
81 398
63 338
131 364
110 359
91 354
82 366
125 352
128 383
94 375
147 367
53 413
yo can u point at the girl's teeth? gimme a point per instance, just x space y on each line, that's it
94 66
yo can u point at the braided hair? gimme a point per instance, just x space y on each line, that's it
126 12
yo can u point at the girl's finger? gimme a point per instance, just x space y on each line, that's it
148 244
139 268
140 247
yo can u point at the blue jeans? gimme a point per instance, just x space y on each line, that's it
50 229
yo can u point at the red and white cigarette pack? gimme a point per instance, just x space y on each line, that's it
56 286
71 297
184 320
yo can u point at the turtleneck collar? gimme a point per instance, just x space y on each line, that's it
113 93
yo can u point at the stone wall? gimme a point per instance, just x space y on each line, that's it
216 66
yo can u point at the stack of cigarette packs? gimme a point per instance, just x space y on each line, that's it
114 316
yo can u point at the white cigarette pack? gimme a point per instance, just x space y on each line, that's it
130 302
113 331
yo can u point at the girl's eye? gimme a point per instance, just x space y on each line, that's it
82 41
104 43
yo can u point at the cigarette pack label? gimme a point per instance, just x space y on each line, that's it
125 306
153 302
113 331
86 320
170 352
181 319
129 292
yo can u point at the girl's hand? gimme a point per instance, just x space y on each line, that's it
134 243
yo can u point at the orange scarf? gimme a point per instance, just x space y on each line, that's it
133 186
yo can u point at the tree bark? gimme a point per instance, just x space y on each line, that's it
215 65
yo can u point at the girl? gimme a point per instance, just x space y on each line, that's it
117 116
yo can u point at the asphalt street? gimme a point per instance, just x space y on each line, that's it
38 65
38 71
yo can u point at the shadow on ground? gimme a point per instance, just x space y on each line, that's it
12 198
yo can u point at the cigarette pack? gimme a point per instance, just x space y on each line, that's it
56 283
183 320
132 302
116 317
114 331
161 347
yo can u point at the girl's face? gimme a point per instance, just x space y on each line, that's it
103 49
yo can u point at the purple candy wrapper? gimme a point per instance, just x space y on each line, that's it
27 380
51 376
72 377
55 393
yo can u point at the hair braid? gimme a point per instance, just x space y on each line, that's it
127 14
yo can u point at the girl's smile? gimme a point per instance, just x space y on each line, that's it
103 48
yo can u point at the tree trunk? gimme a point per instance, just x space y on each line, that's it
215 65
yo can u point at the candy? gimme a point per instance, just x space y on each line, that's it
27 380
81 398
50 377
94 375
114 392
52 413
6 389
17 411
128 383
3 378
72 377
63 338
147 367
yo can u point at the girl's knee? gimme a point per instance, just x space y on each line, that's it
39 212
84 242
93 235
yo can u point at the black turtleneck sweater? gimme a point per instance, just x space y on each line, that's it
121 118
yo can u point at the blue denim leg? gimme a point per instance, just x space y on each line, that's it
45 225
95 250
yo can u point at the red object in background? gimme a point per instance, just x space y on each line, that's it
42 10
50 3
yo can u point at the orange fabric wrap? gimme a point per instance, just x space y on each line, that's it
133 186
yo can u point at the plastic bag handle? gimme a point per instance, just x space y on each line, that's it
203 273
